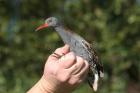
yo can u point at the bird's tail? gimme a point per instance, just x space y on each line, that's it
95 83
93 78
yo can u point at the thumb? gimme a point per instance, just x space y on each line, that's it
59 52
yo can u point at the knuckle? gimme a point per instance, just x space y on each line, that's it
80 59
75 66
75 81
63 78
50 71
72 56
87 64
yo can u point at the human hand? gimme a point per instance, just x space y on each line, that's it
63 75
63 72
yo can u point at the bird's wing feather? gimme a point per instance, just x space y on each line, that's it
95 58
91 52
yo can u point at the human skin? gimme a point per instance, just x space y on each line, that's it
61 74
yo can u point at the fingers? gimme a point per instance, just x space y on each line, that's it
74 64
79 71
67 60
59 52
76 68
83 71
80 68
63 50
65 68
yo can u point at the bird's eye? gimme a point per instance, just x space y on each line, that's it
50 21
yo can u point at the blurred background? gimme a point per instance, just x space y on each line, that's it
111 26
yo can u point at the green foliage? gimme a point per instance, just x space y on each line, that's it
112 26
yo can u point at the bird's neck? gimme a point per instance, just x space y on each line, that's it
65 35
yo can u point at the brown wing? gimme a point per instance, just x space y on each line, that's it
95 58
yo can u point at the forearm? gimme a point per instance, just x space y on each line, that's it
42 86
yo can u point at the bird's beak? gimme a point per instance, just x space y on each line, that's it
42 26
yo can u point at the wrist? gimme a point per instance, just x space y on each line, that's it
40 87
45 86
53 86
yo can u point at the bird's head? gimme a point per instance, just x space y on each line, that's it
49 22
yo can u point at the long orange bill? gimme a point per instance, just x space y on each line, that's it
42 26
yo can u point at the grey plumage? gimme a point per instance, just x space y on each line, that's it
81 48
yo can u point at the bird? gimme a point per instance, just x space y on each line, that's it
80 47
